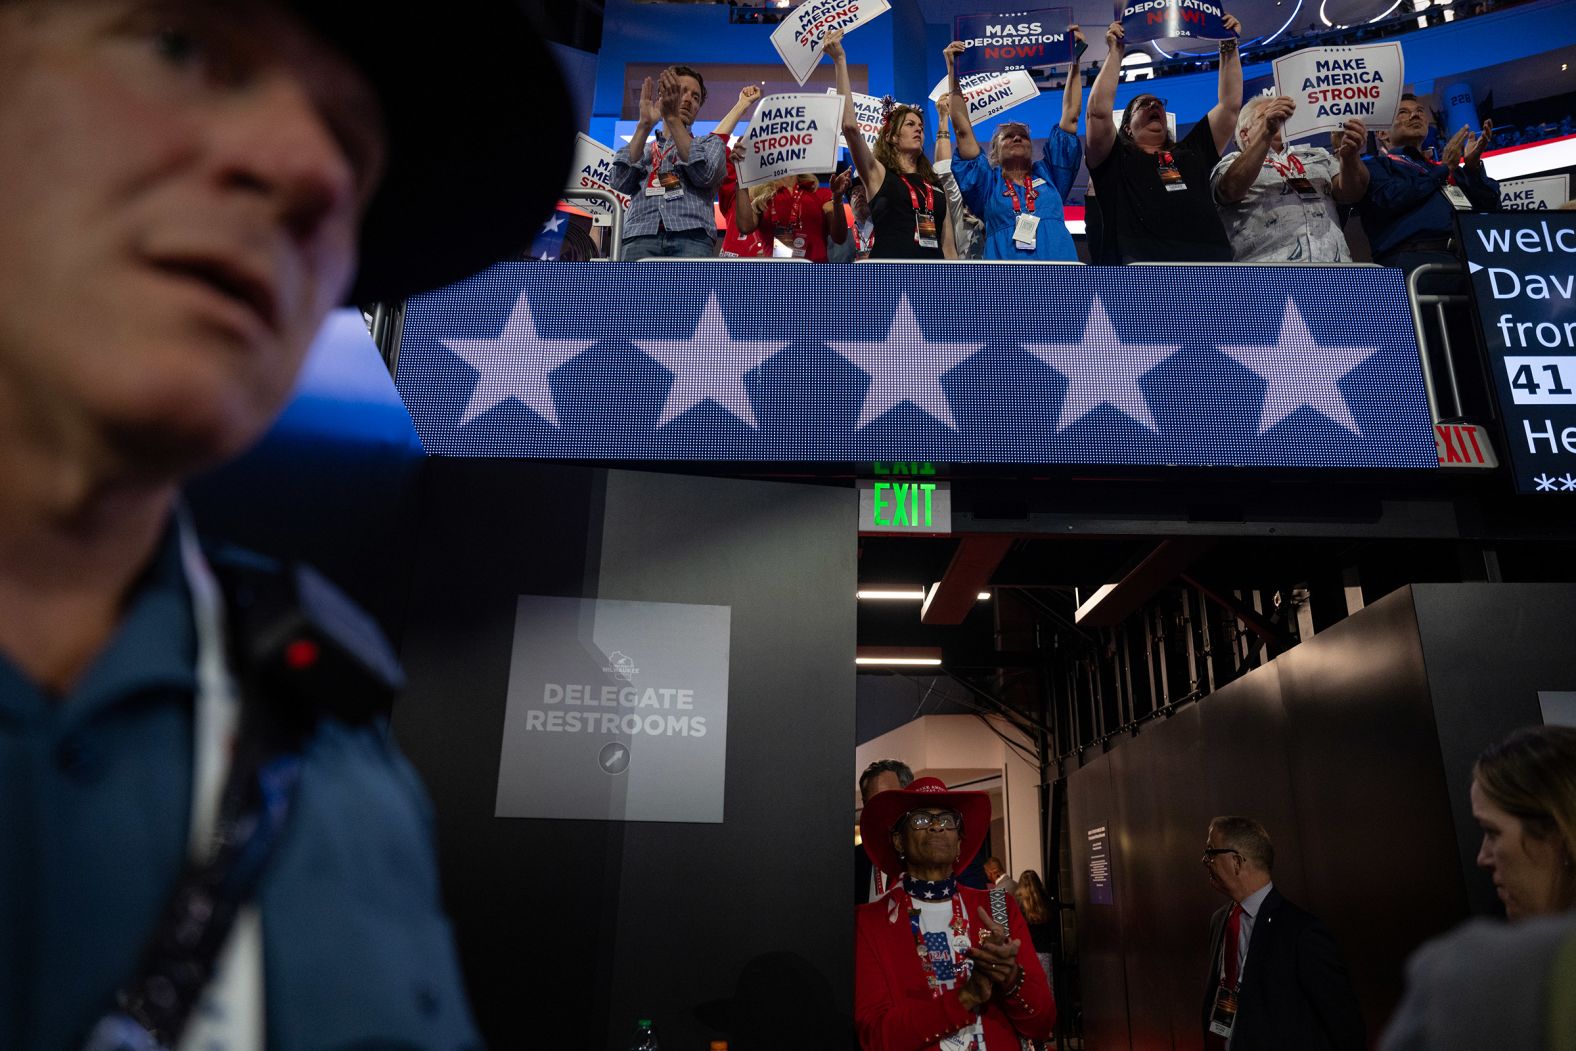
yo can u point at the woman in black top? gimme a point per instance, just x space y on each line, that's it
907 203
1154 193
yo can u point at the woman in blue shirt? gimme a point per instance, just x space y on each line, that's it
1020 199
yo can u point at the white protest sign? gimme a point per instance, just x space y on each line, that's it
991 93
802 34
867 110
789 135
1331 85
1541 193
593 170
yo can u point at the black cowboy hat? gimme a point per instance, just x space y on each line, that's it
480 133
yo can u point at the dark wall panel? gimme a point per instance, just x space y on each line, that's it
569 930
1336 747
1101 972
1375 835
1490 648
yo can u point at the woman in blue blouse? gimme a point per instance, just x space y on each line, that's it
1019 198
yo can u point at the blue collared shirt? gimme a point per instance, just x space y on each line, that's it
95 790
698 177
95 796
985 192
1406 198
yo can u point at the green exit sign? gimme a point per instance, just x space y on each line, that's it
904 506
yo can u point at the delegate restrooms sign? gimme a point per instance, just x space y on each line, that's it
617 711
1523 267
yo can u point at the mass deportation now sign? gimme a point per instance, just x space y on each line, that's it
1331 85
801 37
1015 40
1144 21
790 134
616 711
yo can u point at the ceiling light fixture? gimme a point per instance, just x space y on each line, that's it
901 595
898 656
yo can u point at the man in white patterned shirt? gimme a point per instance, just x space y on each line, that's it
1279 204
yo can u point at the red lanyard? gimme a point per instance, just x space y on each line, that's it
1433 166
958 942
930 200
798 214
1028 191
1285 170
1411 163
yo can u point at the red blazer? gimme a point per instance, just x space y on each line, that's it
893 1008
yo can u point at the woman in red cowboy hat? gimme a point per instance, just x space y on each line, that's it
932 968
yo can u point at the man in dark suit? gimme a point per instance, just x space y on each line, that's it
1276 980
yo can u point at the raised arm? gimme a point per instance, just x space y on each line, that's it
1238 178
1072 91
1350 184
749 95
836 219
668 93
871 171
745 215
649 115
1100 122
1223 115
958 106
943 126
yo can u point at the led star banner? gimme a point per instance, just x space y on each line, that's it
1015 40
1523 267
1163 20
963 363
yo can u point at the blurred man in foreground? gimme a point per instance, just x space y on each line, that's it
209 839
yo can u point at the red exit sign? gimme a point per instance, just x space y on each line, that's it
1464 445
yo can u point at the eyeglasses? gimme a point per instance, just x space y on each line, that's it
1210 853
945 821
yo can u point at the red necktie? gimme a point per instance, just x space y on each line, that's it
1233 939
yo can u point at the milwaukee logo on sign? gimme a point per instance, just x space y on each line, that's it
1464 445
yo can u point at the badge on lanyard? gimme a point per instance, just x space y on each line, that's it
1223 1014
1026 228
924 220
1024 232
662 183
1457 197
1170 174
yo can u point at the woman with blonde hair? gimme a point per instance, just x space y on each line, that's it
1524 800
907 202
1039 913
1492 984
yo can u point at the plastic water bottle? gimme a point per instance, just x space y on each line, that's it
645 1037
